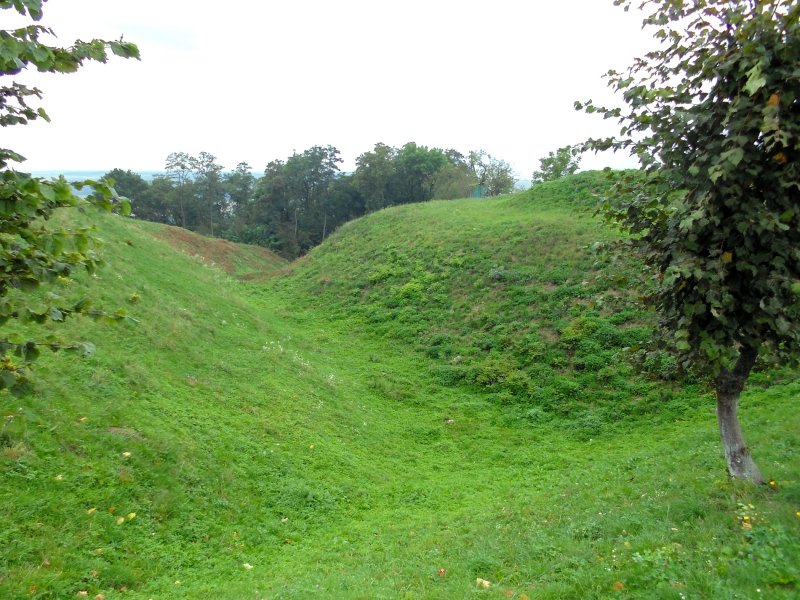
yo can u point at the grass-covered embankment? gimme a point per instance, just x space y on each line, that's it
433 396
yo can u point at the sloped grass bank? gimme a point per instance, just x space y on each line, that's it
246 262
238 441
504 296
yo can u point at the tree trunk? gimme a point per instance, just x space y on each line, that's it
729 386
211 216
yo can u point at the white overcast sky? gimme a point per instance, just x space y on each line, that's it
255 80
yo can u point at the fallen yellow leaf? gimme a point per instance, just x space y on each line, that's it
485 584
120 520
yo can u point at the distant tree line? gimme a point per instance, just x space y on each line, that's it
299 201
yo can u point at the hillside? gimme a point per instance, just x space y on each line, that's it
434 395
505 296
244 262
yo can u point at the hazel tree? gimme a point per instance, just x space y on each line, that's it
32 251
713 114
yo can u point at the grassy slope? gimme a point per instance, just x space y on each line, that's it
503 296
284 427
245 262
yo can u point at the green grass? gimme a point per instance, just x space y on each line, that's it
318 429
503 296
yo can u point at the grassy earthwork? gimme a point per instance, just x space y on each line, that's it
446 400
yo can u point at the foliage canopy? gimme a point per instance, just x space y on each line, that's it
714 117
31 251
301 200
564 161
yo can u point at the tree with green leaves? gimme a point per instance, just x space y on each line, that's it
713 115
493 175
415 172
239 186
32 251
307 176
454 180
179 169
127 183
500 178
150 200
564 161
375 175
208 190
294 206
162 205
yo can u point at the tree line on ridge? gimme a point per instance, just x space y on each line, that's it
299 201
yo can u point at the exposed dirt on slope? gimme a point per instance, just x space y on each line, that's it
245 262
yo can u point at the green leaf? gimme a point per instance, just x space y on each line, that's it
8 378
6 155
28 284
124 49
715 172
782 325
28 351
34 8
755 80
82 306
733 156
